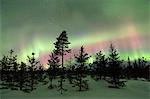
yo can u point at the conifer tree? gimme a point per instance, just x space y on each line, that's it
12 76
40 73
115 67
81 70
135 70
145 69
32 67
129 69
4 62
142 63
53 69
70 71
61 48
100 67
22 75
9 70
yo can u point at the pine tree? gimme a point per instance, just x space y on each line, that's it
53 69
4 72
145 69
115 67
9 70
81 70
100 67
142 63
22 75
135 70
40 74
4 63
129 69
12 77
70 71
32 68
61 47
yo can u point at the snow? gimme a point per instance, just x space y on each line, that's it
136 89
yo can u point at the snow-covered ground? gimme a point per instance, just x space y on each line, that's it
135 89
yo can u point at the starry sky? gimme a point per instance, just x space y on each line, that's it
32 26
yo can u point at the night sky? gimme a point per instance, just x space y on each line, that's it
32 26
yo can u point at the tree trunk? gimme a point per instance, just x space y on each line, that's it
80 83
20 81
51 83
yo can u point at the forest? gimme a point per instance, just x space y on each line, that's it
26 77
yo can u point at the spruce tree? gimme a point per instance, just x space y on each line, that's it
53 69
70 71
40 74
142 63
100 65
4 62
135 70
129 69
32 69
61 48
9 70
4 72
114 67
145 68
81 70
12 66
22 75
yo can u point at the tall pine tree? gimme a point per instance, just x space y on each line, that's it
61 48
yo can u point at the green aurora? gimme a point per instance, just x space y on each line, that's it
32 26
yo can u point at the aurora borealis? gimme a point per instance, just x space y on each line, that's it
32 26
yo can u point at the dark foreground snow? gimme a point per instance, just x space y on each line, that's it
98 90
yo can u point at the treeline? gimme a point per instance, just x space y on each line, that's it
27 76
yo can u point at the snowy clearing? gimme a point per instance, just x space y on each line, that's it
135 89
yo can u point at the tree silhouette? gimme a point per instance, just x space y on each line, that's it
114 67
81 70
70 71
12 70
32 67
4 72
61 47
40 73
147 71
22 75
128 69
135 69
100 65
25 76
4 69
53 69
9 69
142 66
